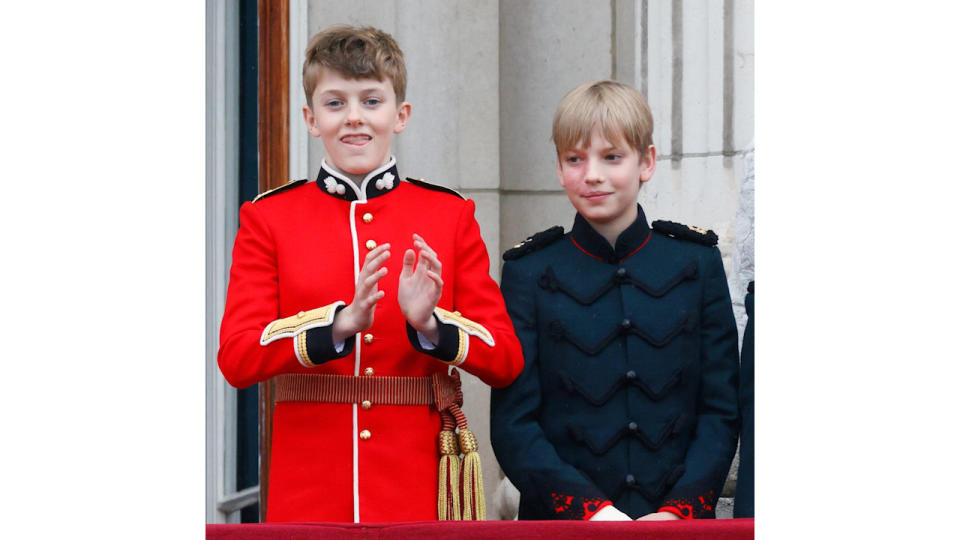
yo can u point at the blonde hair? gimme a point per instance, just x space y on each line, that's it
355 53
619 110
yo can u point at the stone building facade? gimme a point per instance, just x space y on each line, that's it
484 78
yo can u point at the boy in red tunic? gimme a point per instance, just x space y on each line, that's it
357 292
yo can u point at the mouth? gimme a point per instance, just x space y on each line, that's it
355 139
596 195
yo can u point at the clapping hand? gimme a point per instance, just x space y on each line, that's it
358 316
420 288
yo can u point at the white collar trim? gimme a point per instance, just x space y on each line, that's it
361 191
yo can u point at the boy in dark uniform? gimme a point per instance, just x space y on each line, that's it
627 404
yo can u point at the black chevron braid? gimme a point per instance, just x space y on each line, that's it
598 401
548 281
559 332
670 429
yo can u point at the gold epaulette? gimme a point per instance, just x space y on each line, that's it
538 241
427 185
274 191
685 232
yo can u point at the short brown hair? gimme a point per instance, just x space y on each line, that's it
619 110
355 53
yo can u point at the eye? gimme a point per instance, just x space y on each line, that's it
613 157
573 159
372 102
333 103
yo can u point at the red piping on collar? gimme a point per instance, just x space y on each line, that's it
649 234
583 250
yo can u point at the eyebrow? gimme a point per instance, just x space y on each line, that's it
367 90
604 150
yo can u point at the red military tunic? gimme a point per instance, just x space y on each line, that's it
300 249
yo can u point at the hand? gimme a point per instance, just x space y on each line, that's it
658 516
358 316
610 513
420 288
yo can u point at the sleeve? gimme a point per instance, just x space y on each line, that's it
475 334
255 343
714 442
546 482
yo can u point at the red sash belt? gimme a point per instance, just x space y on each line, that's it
439 388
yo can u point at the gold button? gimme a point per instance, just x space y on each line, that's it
371 244
365 434
368 372
368 217
366 404
300 315
368 339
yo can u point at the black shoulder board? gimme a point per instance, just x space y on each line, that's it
427 185
538 241
274 191
686 232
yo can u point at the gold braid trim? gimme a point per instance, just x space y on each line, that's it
293 325
302 350
474 505
465 324
448 494
462 343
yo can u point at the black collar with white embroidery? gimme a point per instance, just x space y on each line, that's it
378 182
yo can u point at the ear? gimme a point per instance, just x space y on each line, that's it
310 120
403 116
560 171
648 164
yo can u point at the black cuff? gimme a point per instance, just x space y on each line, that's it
447 350
320 343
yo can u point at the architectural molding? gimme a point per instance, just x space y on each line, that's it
221 226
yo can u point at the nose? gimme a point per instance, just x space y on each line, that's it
354 116
594 175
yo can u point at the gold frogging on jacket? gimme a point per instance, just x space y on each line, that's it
465 327
456 500
296 326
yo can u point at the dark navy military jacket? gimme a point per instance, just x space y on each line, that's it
629 388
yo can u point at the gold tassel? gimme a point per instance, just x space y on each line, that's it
448 495
474 506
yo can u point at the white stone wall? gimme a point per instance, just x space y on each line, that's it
485 77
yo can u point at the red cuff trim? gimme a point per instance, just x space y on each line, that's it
588 514
683 511
575 506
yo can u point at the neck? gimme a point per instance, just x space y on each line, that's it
357 178
611 230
